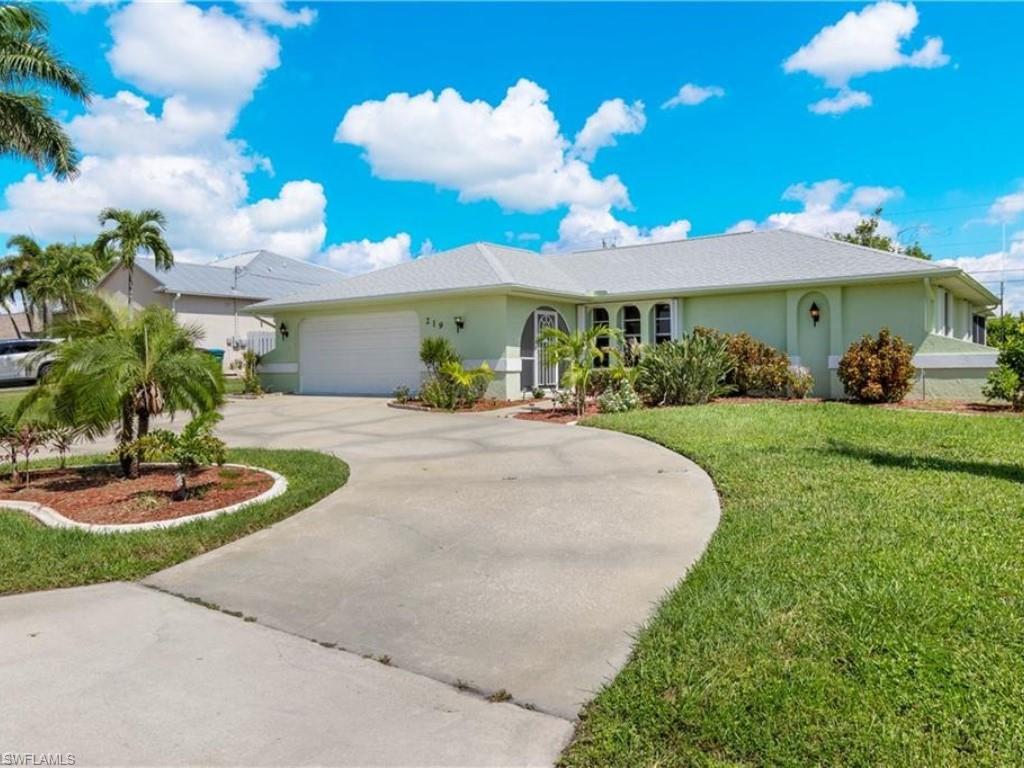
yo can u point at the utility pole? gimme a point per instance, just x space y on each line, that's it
1002 278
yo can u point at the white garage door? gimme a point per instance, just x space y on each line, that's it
366 354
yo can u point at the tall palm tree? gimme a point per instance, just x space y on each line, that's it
120 368
132 232
7 294
22 267
27 65
65 276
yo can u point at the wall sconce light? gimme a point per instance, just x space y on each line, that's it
284 330
815 313
459 324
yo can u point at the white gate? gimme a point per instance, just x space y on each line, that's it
547 374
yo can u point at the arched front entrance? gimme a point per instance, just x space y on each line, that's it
537 372
814 323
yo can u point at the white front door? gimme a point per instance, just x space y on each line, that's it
547 374
359 354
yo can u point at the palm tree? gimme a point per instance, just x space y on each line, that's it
7 294
133 232
578 352
65 276
27 65
120 368
21 268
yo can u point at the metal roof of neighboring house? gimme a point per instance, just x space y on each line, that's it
720 262
253 275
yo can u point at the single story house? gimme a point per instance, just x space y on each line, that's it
806 295
213 295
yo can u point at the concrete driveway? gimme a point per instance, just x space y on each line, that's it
474 553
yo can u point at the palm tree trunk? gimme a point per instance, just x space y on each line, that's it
125 437
131 271
7 309
28 312
143 430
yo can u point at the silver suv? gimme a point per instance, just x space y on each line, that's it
19 360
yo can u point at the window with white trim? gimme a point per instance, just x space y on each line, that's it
631 324
599 319
662 323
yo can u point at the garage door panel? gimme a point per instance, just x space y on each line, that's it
369 353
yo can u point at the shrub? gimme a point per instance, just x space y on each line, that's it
758 368
195 448
1007 381
800 383
1004 384
601 379
684 372
619 397
438 393
435 352
402 394
878 370
538 393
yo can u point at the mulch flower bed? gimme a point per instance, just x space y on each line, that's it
555 415
100 496
486 404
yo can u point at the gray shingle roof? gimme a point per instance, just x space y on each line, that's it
260 275
775 257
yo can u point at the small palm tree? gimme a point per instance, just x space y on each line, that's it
65 276
132 233
27 65
578 352
118 367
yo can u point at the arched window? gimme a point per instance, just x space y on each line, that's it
662 323
631 324
599 319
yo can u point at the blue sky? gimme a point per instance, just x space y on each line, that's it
267 125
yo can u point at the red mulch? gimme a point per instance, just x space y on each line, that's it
486 404
98 495
555 415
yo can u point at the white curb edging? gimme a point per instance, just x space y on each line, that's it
54 519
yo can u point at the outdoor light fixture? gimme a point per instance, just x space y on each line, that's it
284 331
815 313
459 324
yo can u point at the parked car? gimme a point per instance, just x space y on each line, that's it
19 361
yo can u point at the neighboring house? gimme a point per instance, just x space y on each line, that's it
15 325
213 295
362 335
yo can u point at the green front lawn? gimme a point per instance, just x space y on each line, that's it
33 556
862 602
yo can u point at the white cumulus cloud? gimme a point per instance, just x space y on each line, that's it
827 206
276 13
613 118
860 43
513 153
690 95
844 100
1007 207
178 157
358 256
584 227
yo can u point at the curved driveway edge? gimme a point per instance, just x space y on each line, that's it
470 548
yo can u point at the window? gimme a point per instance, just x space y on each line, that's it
599 319
631 324
978 335
662 323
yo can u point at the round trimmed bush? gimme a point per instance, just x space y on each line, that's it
878 370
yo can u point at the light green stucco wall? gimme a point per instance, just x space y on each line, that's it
762 315
494 324
491 333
